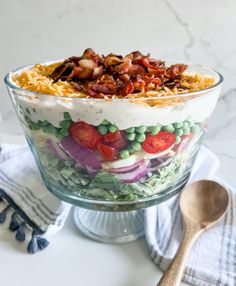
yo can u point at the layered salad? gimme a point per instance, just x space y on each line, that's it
113 127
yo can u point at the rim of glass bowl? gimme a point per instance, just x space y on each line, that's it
9 82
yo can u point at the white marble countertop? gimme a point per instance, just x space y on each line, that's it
200 32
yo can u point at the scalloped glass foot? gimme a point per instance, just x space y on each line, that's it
110 227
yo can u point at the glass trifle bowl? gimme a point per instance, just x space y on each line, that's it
113 157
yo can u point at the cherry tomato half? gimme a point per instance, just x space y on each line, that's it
109 153
158 143
85 134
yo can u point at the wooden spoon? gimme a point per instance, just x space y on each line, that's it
202 204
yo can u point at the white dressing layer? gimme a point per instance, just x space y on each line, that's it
123 114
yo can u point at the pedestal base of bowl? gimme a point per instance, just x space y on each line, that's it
110 227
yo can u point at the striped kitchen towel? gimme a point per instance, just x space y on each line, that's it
22 191
212 260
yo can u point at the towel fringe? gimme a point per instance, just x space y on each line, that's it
14 223
20 232
37 243
33 245
19 221
42 242
3 215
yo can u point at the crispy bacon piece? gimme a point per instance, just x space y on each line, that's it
120 85
157 72
124 67
129 87
139 85
106 76
107 88
124 78
145 62
106 85
111 60
81 73
90 54
156 81
87 63
76 85
175 71
126 88
62 70
137 55
136 70
148 78
98 71
156 62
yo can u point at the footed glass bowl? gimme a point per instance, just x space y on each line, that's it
112 158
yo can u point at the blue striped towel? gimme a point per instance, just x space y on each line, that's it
22 190
212 260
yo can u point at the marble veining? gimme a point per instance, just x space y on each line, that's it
185 27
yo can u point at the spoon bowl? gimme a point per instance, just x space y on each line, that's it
202 204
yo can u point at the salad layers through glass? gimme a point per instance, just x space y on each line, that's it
129 133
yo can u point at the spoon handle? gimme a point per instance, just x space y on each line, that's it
173 274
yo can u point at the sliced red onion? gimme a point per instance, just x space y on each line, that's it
127 168
160 165
134 176
83 156
157 161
